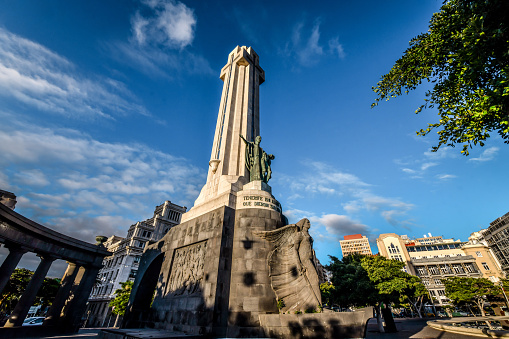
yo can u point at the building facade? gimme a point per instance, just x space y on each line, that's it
355 243
431 258
123 264
497 238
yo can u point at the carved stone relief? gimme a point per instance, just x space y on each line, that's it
187 270
292 270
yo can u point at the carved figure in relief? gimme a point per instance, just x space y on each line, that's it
292 268
187 270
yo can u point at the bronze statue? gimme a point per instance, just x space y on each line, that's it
257 160
292 269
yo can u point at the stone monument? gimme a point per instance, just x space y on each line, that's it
233 264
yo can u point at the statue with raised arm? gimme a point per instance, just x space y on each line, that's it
253 158
292 270
257 160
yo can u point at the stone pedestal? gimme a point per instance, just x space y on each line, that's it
210 275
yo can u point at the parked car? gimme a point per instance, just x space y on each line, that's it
33 321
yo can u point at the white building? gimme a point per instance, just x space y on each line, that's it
123 264
355 243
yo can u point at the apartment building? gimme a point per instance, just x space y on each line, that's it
497 238
431 258
355 243
123 264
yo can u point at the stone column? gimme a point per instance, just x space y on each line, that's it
62 294
28 297
71 319
9 264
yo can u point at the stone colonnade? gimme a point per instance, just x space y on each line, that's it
21 235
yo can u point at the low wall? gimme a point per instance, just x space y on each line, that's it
447 326
317 325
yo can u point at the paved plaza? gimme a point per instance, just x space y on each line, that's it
408 328
414 329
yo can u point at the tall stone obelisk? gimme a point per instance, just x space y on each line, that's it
239 114
210 273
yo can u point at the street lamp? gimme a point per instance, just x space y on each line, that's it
503 292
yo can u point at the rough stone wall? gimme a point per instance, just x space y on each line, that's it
193 285
250 291
213 277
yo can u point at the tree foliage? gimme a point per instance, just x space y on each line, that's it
327 290
392 282
467 290
352 286
465 55
121 300
368 280
18 283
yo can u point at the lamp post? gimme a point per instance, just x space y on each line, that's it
505 296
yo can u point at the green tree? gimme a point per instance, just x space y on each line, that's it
352 286
414 292
465 55
47 292
460 289
121 300
17 284
327 291
393 283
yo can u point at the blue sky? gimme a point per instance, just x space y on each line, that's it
109 108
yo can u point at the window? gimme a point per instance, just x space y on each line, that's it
479 254
433 270
421 271
438 282
485 265
441 293
137 259
458 269
470 268
445 269
432 292
133 273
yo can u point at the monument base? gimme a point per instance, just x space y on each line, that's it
317 325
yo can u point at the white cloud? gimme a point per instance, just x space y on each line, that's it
355 193
79 179
40 78
487 155
427 165
341 225
161 31
446 176
306 46
337 48
32 178
171 23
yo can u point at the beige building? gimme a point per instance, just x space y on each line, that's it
477 247
431 258
393 246
355 243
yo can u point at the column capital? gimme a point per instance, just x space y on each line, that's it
13 247
48 256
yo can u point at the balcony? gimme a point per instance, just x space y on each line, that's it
444 260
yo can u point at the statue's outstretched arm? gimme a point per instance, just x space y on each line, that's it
243 139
